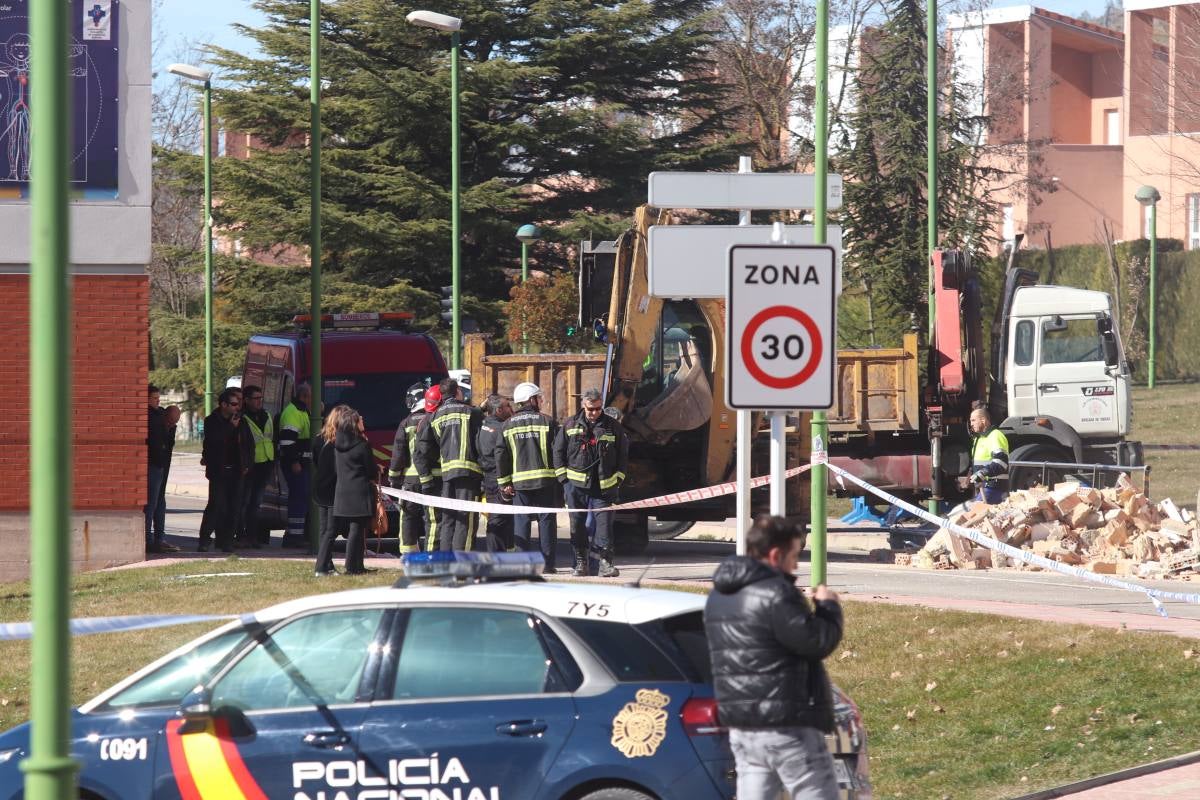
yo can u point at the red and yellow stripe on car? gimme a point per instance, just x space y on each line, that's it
207 765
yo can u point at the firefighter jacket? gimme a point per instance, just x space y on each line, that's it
402 472
295 438
523 454
450 435
485 444
262 429
989 455
592 455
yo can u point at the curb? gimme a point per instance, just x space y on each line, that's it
1114 777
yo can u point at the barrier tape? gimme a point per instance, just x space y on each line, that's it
89 625
676 498
1155 595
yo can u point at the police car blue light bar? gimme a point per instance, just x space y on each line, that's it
460 564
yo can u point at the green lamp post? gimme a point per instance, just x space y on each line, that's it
204 76
451 25
527 234
1149 196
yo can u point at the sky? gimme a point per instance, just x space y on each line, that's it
210 20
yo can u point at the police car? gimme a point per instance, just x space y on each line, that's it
453 689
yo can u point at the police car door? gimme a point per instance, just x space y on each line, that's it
285 716
475 708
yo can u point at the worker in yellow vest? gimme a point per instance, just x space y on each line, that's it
295 456
262 431
989 457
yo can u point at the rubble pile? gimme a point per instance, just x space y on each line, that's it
1115 531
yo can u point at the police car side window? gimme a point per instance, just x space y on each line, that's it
315 660
470 652
628 654
168 684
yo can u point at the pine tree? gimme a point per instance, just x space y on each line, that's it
884 213
566 106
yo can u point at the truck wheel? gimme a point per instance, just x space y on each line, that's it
631 538
1028 477
616 793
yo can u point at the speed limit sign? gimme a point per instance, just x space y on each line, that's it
779 327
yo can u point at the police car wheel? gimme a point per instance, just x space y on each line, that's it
616 793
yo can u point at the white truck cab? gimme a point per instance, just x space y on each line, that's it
1065 364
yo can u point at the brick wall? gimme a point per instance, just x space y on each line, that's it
111 357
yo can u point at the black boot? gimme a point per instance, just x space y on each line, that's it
581 563
607 569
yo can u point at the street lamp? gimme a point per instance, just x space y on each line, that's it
525 234
1149 196
204 76
451 25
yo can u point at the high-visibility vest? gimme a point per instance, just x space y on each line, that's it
264 444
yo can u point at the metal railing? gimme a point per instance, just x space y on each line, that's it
1094 469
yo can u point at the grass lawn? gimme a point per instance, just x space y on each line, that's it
1166 415
956 705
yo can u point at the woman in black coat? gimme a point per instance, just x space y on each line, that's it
324 484
354 495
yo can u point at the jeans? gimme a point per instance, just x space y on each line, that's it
155 508
547 524
794 761
584 499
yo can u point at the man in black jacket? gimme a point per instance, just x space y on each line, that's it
496 411
767 645
525 469
227 457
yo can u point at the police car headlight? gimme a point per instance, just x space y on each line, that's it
9 755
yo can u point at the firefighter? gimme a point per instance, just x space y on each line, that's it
525 469
450 436
295 456
416 521
591 454
989 456
496 410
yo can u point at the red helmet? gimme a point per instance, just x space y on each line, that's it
433 398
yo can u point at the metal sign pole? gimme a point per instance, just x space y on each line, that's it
778 426
817 540
745 432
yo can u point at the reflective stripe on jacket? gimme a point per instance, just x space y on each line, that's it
989 454
523 457
295 437
450 436
403 470
592 455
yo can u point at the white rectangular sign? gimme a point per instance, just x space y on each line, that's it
780 327
693 260
740 190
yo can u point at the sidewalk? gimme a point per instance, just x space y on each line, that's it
186 478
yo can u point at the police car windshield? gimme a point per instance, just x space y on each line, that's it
378 396
167 685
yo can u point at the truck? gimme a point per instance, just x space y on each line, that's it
1058 386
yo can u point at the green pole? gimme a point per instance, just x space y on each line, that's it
1153 284
456 292
314 239
208 252
931 147
49 770
820 429
524 277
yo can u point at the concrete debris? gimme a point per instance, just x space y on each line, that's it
1115 531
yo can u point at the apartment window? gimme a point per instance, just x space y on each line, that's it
1193 221
1112 126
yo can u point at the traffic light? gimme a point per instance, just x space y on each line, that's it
447 313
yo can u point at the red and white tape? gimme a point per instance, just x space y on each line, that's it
676 498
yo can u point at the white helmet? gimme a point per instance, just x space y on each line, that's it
524 391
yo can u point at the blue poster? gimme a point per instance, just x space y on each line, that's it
94 75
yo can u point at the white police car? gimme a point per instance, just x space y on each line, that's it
516 690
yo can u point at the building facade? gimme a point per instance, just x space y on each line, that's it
1098 113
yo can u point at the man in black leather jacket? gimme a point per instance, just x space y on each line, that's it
767 645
